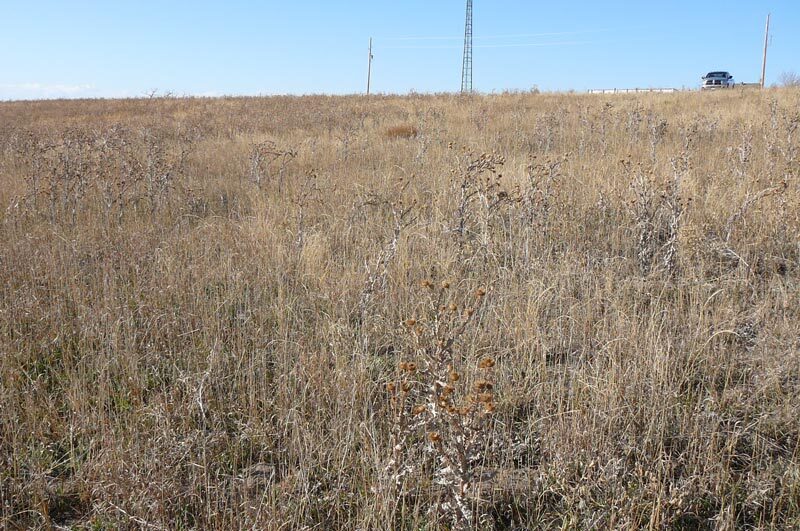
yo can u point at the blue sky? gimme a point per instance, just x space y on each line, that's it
122 48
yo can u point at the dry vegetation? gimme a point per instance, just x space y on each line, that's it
512 312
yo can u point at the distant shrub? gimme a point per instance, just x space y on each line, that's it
402 131
790 79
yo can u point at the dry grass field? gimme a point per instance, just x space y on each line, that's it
515 311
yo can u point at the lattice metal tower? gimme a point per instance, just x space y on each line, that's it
466 68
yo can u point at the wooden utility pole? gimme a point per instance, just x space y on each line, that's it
764 63
369 66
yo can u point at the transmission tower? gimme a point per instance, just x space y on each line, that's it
466 68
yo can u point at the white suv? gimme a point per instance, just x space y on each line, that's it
715 80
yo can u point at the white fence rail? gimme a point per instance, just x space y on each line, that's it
630 90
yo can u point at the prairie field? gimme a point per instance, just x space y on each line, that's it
511 311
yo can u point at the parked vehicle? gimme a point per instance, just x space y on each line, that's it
715 80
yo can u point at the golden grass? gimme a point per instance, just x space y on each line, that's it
204 309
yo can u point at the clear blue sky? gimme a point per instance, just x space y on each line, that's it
111 48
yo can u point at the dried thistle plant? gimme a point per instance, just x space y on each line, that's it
480 198
117 168
657 209
377 270
309 193
438 406
644 207
537 198
268 161
673 207
750 200
658 130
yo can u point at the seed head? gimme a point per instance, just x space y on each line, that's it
418 410
480 292
483 385
434 437
408 366
486 363
485 398
411 322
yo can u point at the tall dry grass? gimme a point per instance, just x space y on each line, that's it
242 313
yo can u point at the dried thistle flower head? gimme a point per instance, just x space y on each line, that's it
434 437
411 322
483 385
453 307
391 387
480 292
427 284
454 376
418 410
486 363
445 284
408 366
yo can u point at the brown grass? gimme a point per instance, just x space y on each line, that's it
402 131
209 308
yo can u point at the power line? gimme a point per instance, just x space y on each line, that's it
484 46
489 37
